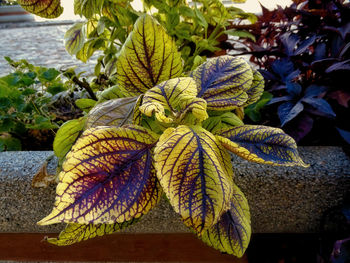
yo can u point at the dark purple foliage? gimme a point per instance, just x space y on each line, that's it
303 52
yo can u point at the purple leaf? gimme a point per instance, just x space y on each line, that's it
322 107
294 89
289 41
314 91
305 45
279 99
343 65
301 127
288 111
344 134
283 67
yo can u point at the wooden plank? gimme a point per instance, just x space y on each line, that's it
118 248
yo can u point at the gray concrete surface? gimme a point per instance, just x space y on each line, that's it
282 200
41 43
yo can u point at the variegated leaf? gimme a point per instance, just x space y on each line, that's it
172 99
43 8
257 88
223 82
196 174
232 233
108 177
74 233
116 112
148 57
74 38
261 144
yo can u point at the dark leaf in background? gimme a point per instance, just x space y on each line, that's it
341 96
344 134
289 41
341 251
321 106
283 67
305 45
302 125
344 65
294 89
288 111
314 91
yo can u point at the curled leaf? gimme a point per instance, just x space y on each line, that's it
43 8
261 144
74 233
257 88
176 96
196 174
223 82
148 57
108 177
232 233
74 38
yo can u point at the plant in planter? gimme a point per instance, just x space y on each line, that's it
174 140
303 51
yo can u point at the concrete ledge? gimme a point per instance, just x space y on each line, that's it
282 200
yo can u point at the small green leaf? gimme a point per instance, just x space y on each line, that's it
85 104
66 137
200 18
113 92
75 38
225 120
55 88
49 75
253 110
8 143
240 33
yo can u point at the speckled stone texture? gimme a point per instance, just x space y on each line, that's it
282 200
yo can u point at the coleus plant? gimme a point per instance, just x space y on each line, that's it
176 142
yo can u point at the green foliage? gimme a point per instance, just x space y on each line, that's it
25 96
174 138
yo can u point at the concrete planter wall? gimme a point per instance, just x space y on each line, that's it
14 13
282 200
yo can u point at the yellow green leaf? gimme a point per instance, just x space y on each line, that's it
257 88
196 174
223 82
221 121
74 38
261 144
66 137
108 177
74 233
43 8
85 104
232 233
171 100
148 57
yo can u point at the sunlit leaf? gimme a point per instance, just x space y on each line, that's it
43 8
74 233
225 120
66 137
148 57
261 144
257 88
85 104
116 112
88 8
223 82
74 38
108 177
113 92
176 96
232 233
196 174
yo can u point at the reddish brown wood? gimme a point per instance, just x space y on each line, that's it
118 248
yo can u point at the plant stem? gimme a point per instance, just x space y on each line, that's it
84 84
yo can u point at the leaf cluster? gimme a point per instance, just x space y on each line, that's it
164 131
26 99
304 53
